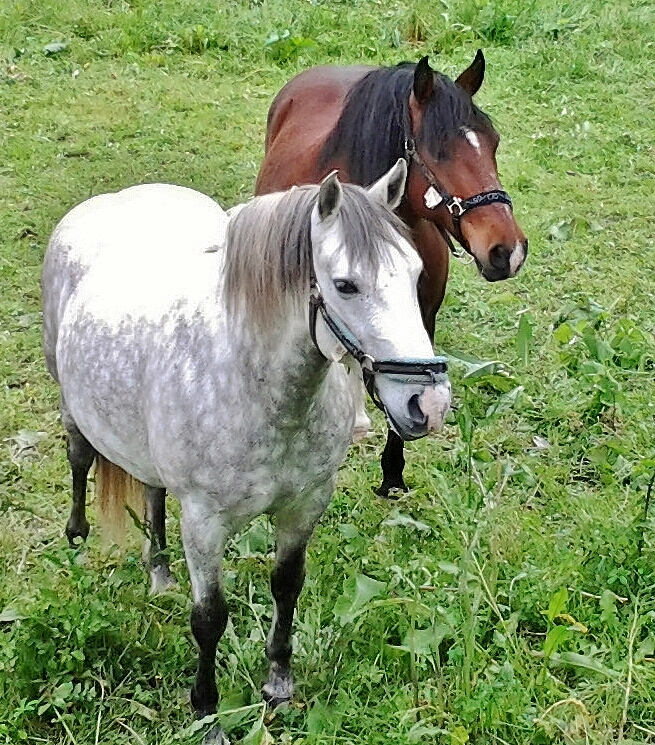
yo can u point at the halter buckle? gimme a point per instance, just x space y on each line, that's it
367 362
410 147
455 207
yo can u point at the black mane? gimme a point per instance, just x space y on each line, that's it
370 133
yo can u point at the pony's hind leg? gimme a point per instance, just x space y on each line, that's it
393 463
81 455
155 553
286 583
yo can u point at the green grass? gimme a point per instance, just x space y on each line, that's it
507 598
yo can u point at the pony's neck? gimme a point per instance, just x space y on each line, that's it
286 360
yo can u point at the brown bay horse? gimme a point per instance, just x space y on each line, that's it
360 120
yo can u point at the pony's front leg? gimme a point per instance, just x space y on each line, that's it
155 554
287 580
204 541
208 621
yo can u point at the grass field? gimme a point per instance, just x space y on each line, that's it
508 597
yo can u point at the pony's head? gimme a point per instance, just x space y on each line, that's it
453 179
366 273
344 239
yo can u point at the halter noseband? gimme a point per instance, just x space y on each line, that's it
436 196
414 368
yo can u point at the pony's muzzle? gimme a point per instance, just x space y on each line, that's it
414 409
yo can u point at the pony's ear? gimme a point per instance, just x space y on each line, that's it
330 195
390 188
471 79
423 81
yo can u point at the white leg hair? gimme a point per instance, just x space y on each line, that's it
362 421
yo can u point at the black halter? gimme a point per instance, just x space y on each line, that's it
456 206
425 370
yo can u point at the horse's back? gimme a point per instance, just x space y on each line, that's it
300 118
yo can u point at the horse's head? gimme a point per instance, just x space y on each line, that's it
453 179
364 293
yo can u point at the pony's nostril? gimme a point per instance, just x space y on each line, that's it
416 414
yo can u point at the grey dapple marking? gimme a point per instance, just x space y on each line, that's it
180 340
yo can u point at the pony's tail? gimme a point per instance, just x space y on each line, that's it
117 494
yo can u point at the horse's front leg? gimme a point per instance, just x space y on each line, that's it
431 288
287 580
155 553
204 541
393 464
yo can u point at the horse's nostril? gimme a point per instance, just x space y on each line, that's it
499 257
416 414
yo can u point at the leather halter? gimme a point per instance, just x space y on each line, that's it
456 206
421 370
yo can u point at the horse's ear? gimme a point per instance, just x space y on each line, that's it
330 195
423 81
471 79
390 188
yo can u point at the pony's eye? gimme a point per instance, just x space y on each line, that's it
345 287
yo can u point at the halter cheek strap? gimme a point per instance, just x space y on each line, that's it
436 195
425 370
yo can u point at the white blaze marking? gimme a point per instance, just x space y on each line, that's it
472 139
517 258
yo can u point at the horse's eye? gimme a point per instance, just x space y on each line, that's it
345 287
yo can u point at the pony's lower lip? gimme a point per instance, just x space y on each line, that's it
414 410
408 429
414 432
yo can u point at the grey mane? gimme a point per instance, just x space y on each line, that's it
269 253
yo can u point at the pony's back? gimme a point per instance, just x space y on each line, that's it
145 223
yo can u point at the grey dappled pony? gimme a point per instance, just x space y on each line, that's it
189 361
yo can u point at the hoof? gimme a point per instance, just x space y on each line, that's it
161 580
390 491
279 688
216 736
77 534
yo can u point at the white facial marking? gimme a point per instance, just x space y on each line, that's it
517 258
472 139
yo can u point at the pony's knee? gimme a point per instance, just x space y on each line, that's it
209 618
362 425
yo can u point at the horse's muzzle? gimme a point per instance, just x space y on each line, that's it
503 261
414 409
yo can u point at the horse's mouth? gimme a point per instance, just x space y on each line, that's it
504 262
